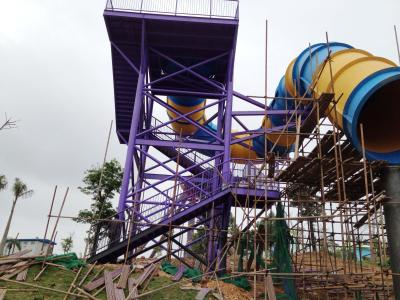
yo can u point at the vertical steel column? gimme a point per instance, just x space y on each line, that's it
391 181
212 225
142 159
222 242
218 230
228 121
226 170
136 119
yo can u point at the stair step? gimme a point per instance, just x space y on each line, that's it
118 249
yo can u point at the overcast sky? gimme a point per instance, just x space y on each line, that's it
56 80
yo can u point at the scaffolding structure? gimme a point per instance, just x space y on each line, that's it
218 213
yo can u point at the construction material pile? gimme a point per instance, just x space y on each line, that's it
67 277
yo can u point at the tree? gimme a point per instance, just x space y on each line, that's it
20 190
67 244
101 183
3 182
200 247
11 244
8 124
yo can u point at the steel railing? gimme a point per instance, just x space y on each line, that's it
227 9
251 174
163 205
159 207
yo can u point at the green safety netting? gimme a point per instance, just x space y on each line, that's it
358 295
69 260
169 268
241 282
281 260
194 273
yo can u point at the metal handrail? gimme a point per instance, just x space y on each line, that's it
227 9
157 213
156 207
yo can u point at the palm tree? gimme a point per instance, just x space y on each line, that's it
3 182
20 190
11 244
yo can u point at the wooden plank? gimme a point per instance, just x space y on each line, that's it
100 290
131 283
150 277
270 287
14 271
179 274
139 280
22 275
146 273
98 275
19 254
87 274
119 293
100 281
218 296
123 279
11 275
134 284
9 261
108 281
133 292
2 294
18 265
4 267
202 293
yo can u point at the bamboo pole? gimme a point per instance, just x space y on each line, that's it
86 294
41 287
73 283
55 227
174 195
397 42
99 188
48 216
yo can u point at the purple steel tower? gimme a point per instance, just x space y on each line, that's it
183 49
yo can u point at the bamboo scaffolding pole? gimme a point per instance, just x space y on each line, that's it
397 42
40 287
48 216
53 234
99 191
174 195
331 213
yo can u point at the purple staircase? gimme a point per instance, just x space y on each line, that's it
175 48
161 211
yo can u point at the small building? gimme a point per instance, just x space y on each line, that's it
37 246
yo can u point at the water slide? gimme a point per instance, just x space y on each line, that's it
367 90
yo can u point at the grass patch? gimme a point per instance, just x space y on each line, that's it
173 292
52 277
56 278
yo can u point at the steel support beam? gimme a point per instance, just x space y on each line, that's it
135 124
391 181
